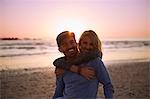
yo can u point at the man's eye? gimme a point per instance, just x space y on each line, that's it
84 42
91 44
63 44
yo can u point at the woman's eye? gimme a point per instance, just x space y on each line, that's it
72 42
63 44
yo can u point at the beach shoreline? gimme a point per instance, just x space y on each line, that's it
130 80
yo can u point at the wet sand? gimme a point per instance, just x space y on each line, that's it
130 80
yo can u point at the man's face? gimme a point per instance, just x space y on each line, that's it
86 44
69 47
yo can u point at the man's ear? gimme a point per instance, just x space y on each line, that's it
60 49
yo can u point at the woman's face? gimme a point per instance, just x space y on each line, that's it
86 44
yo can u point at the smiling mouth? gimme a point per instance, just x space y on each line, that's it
70 50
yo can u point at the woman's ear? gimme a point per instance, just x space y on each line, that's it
78 47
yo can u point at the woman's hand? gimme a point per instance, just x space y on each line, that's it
86 71
59 71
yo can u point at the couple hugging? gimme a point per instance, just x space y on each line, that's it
80 71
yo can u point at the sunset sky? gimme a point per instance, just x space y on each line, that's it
110 19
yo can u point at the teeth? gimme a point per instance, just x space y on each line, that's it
71 50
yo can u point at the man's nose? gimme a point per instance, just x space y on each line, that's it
70 46
87 46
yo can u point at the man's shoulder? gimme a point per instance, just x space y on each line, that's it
58 61
60 58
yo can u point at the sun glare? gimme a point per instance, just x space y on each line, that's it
72 25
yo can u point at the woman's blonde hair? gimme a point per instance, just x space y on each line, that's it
94 38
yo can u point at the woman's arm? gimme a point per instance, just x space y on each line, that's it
80 59
86 57
87 72
59 87
73 66
61 63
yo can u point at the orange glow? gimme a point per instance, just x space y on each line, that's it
110 19
71 25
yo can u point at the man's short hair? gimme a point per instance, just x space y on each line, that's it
63 35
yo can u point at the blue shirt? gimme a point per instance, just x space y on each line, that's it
73 85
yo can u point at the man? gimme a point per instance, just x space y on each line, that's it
75 59
73 85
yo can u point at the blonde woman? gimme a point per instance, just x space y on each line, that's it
94 44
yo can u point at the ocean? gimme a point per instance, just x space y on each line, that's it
14 48
14 53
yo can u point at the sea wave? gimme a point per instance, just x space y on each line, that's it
11 47
26 54
36 47
125 44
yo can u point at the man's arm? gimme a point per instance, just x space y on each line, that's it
59 87
59 71
104 78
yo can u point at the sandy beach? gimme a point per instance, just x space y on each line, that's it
130 80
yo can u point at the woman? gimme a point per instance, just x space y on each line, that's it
95 43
